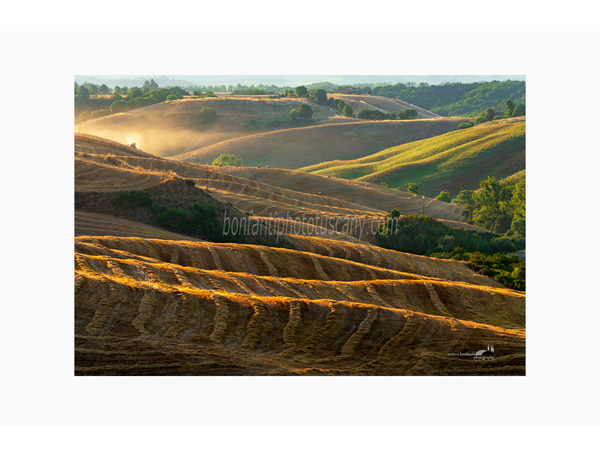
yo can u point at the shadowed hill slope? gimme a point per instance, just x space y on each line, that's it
298 147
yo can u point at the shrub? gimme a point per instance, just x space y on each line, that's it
173 219
132 200
204 221
347 111
412 188
206 115
444 196
85 115
99 113
463 125
408 114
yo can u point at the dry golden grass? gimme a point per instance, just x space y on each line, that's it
95 175
278 192
293 148
159 307
97 224
151 302
168 128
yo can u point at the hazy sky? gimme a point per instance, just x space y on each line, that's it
283 80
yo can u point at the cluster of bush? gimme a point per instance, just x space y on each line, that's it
200 220
512 110
507 269
423 235
374 114
201 94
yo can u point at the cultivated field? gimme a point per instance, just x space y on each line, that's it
449 162
309 301
345 139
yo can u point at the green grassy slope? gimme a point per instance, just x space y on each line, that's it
451 162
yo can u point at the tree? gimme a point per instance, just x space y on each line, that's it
301 91
135 92
103 89
171 97
76 88
117 90
519 110
465 199
304 112
510 106
347 111
518 226
444 196
226 159
413 188
83 92
492 212
489 114
320 96
92 88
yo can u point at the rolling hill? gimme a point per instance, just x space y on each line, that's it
171 128
383 104
146 307
451 162
298 147
149 301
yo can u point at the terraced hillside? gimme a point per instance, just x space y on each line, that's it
298 147
309 301
451 162
169 307
354 208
